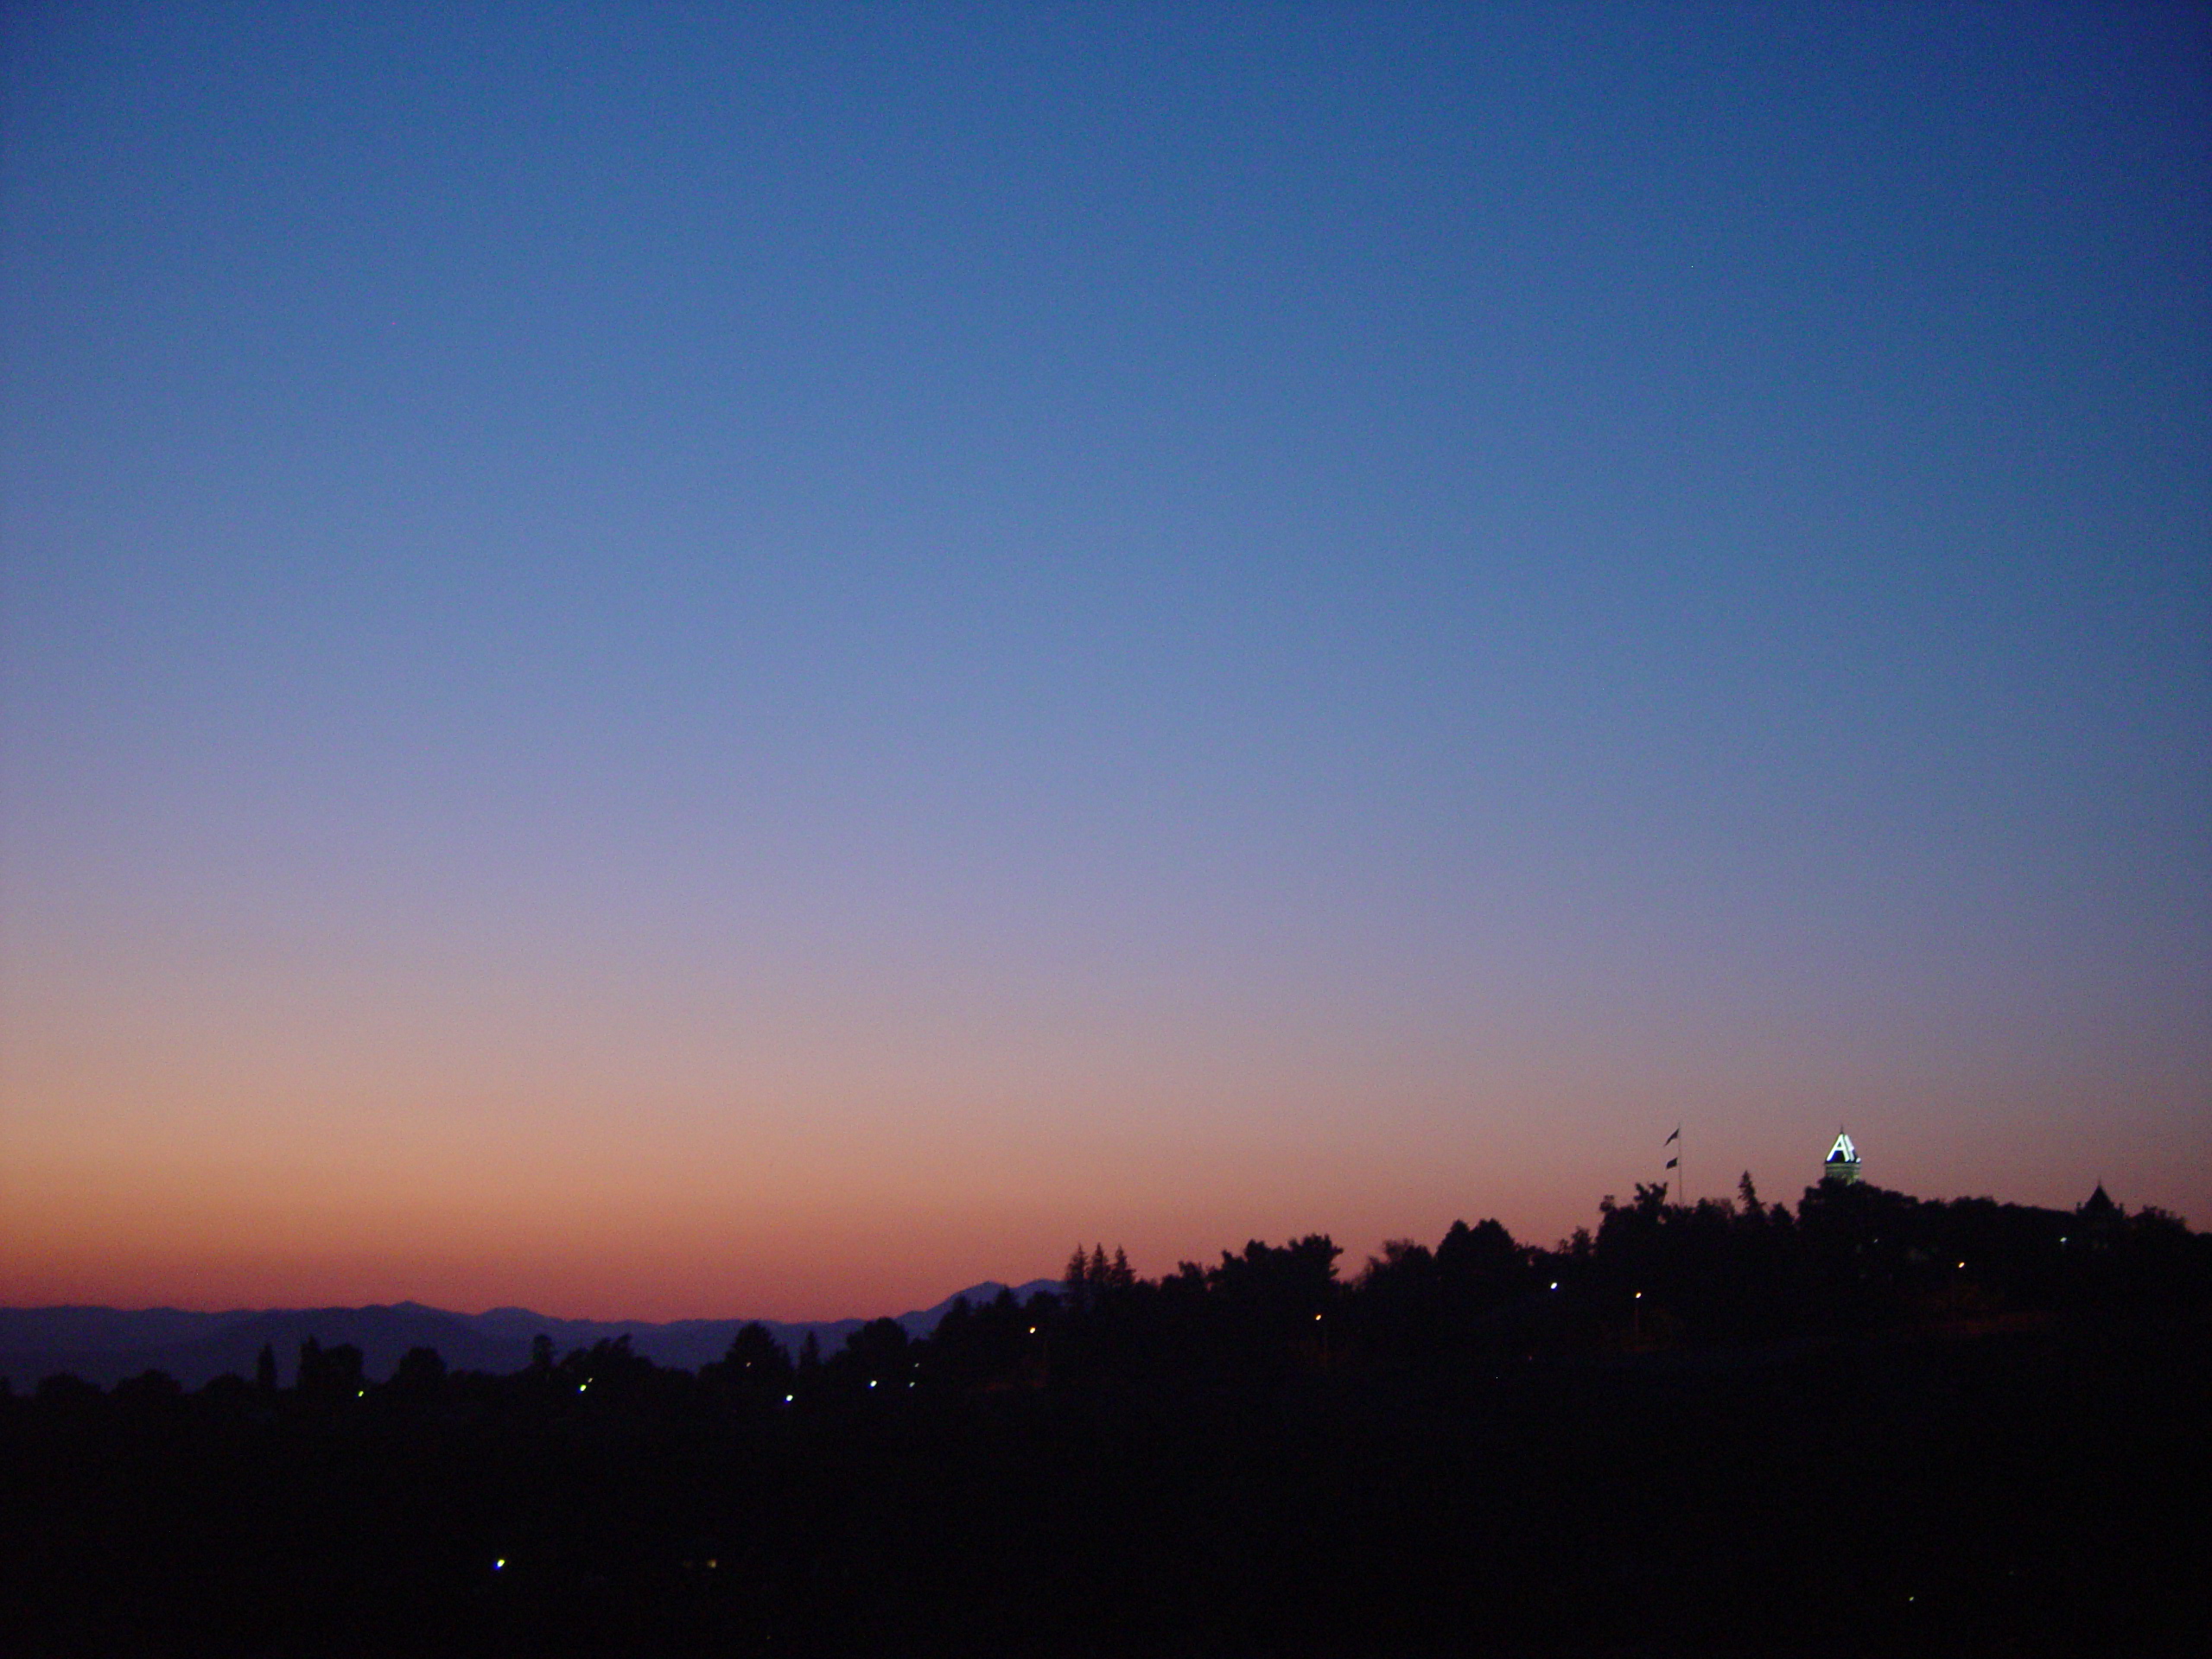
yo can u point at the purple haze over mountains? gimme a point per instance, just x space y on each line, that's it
105 1344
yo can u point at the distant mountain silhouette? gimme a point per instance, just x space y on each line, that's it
382 1334
693 1343
105 1344
105 1330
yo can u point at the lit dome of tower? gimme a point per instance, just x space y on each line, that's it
1842 1163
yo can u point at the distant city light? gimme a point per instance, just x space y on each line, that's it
500 1565
1555 1284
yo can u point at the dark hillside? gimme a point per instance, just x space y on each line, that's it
1795 1439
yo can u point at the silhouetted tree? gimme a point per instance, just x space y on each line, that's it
67 1392
1266 1303
754 1349
611 1370
755 1371
328 1373
149 1392
229 1392
877 1353
1075 1279
986 1347
1480 1268
1396 1302
421 1371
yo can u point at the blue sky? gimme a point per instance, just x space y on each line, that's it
1088 619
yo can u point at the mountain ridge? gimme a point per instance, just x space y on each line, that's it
104 1345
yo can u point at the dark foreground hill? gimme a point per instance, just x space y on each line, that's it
2029 1493
1875 1425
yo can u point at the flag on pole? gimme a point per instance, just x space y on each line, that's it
1671 1162
1675 1136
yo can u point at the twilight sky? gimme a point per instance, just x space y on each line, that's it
662 661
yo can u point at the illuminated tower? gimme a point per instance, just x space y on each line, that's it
1842 1165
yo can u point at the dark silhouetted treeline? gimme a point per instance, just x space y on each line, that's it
1873 1425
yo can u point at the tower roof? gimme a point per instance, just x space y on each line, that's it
1843 1152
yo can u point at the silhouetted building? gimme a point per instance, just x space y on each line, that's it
1842 1165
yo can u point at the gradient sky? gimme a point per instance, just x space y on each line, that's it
662 661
